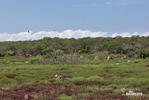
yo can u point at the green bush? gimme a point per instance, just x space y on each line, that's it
7 53
46 51
36 60
136 61
143 53
2 54
86 49
47 56
59 52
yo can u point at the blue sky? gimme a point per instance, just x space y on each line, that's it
112 16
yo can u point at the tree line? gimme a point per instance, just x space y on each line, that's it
47 46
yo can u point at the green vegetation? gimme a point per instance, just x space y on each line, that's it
74 69
49 47
91 78
63 97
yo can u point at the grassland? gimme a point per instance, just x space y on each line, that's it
92 81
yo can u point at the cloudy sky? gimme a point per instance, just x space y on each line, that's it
72 18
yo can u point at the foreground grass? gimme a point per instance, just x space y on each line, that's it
113 76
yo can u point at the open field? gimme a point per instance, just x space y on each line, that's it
74 50
92 81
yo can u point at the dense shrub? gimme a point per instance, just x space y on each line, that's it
55 47
7 53
58 53
47 56
46 51
2 54
86 50
143 53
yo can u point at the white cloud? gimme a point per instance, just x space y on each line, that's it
145 34
22 36
4 36
39 35
135 34
125 34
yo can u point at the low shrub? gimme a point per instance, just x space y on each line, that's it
36 60
136 61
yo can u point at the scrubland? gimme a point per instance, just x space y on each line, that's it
94 79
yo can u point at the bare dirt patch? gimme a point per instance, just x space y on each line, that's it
54 90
